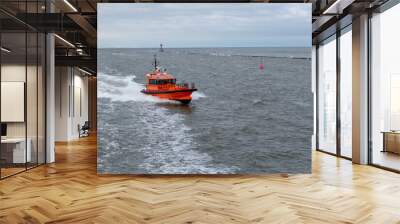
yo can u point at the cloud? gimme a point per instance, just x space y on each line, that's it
203 25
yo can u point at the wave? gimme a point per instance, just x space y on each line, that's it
197 95
118 54
170 146
220 54
124 88
267 56
257 101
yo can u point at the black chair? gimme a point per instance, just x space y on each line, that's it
84 130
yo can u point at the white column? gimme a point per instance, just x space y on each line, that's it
50 92
50 99
314 92
360 90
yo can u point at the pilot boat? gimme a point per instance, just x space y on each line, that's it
163 85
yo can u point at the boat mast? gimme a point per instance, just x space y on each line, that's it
155 62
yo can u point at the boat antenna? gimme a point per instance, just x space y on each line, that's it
155 62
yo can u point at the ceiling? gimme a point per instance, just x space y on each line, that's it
75 21
332 15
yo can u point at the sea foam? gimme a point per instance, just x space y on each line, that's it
123 88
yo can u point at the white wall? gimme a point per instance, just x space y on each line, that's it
13 101
33 126
80 108
17 73
62 82
71 94
12 73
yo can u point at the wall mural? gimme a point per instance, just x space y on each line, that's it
204 88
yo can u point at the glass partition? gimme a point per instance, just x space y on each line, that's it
327 95
346 92
33 57
385 89
31 99
22 88
14 153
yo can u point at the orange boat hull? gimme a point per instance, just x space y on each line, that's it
183 96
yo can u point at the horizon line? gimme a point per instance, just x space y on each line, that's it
203 47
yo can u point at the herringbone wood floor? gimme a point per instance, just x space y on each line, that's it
70 191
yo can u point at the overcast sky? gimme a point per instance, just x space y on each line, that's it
146 25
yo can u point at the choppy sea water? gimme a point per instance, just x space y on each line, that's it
242 119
